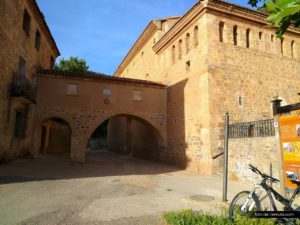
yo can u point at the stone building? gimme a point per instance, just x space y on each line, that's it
26 45
218 57
167 98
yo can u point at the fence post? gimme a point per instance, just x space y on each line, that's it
225 169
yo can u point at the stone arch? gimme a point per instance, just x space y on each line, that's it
101 119
155 132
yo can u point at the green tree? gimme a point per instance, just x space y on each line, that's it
283 13
73 64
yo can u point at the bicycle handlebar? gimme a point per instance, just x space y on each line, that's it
255 170
265 176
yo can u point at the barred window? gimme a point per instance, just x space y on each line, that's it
261 128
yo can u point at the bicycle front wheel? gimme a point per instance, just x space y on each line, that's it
243 206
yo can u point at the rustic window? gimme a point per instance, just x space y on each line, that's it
272 37
196 31
292 48
221 30
106 92
248 38
52 63
72 89
187 42
235 35
22 68
260 35
19 129
137 95
281 46
26 22
37 40
180 49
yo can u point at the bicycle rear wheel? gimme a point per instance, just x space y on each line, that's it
240 206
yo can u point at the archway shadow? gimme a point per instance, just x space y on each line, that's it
98 164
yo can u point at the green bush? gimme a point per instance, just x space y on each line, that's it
189 217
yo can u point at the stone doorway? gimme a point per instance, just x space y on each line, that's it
55 137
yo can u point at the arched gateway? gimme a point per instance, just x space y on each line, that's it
135 110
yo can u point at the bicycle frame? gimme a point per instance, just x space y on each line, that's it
264 186
244 206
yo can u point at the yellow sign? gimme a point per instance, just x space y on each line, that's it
290 141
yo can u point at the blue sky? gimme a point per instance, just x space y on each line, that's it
103 31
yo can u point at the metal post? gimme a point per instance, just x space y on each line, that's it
271 172
225 169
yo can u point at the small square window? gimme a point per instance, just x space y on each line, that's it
137 96
26 22
72 89
106 92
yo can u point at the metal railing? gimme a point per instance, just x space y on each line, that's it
261 128
21 87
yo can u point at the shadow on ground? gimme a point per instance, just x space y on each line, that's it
98 164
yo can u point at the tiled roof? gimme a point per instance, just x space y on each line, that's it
168 18
241 7
97 76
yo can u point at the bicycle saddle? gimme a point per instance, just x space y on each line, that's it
293 177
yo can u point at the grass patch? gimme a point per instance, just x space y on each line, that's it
189 217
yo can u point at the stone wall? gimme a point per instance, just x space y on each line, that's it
209 78
243 81
86 110
260 152
15 43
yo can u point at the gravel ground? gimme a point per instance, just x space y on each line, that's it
109 189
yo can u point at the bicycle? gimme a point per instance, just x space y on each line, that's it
250 201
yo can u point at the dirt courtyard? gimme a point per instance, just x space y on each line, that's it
109 189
